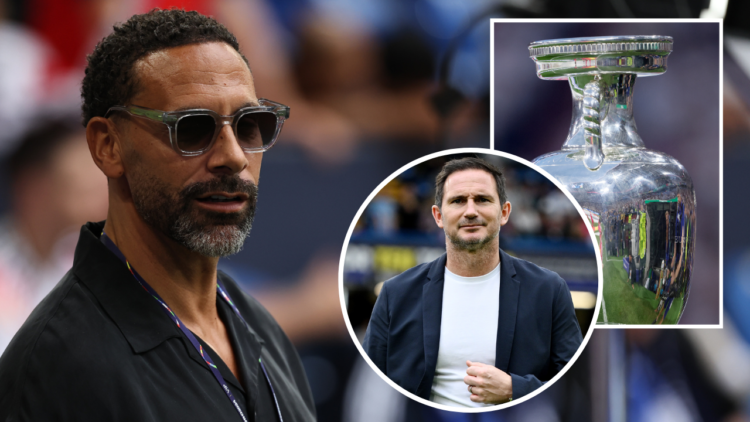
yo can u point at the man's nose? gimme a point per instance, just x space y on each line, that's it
471 210
226 154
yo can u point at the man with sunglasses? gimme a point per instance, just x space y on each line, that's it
143 327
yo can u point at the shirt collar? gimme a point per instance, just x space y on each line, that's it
130 307
137 315
507 269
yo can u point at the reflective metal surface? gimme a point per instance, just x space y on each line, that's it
642 55
641 203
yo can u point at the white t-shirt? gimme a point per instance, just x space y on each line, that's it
468 331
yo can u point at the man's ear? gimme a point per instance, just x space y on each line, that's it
104 146
505 213
437 215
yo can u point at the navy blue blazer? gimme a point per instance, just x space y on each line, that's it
537 332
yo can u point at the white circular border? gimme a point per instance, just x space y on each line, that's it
346 313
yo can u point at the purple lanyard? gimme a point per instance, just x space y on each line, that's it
204 354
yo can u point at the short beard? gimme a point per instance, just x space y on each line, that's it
208 233
471 245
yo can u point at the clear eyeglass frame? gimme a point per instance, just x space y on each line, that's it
172 118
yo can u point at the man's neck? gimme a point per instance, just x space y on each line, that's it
186 281
472 263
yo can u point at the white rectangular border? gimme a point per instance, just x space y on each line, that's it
721 144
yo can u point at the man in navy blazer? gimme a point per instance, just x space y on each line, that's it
476 326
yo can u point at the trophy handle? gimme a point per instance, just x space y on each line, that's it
593 97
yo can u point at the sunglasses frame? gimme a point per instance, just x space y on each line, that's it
172 118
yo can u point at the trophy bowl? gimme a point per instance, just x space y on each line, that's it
641 203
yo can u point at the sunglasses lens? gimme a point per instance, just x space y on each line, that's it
194 132
256 130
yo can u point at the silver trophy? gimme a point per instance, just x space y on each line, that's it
641 203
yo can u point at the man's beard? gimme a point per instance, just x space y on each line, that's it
471 245
176 215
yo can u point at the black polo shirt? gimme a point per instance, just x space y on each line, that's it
99 348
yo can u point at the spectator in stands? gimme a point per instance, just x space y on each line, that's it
55 188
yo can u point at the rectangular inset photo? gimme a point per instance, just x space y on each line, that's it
652 192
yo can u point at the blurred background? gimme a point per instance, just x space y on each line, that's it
373 85
397 231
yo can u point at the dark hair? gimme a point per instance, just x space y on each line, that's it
110 77
469 163
40 144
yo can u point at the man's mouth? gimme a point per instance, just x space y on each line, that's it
223 197
223 201
218 198
471 226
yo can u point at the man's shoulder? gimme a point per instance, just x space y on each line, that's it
69 314
531 272
47 313
61 335
411 279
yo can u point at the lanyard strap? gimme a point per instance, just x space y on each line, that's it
194 341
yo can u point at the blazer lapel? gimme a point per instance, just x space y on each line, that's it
432 311
506 325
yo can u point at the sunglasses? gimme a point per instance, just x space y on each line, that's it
193 132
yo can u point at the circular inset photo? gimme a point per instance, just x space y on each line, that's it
470 280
